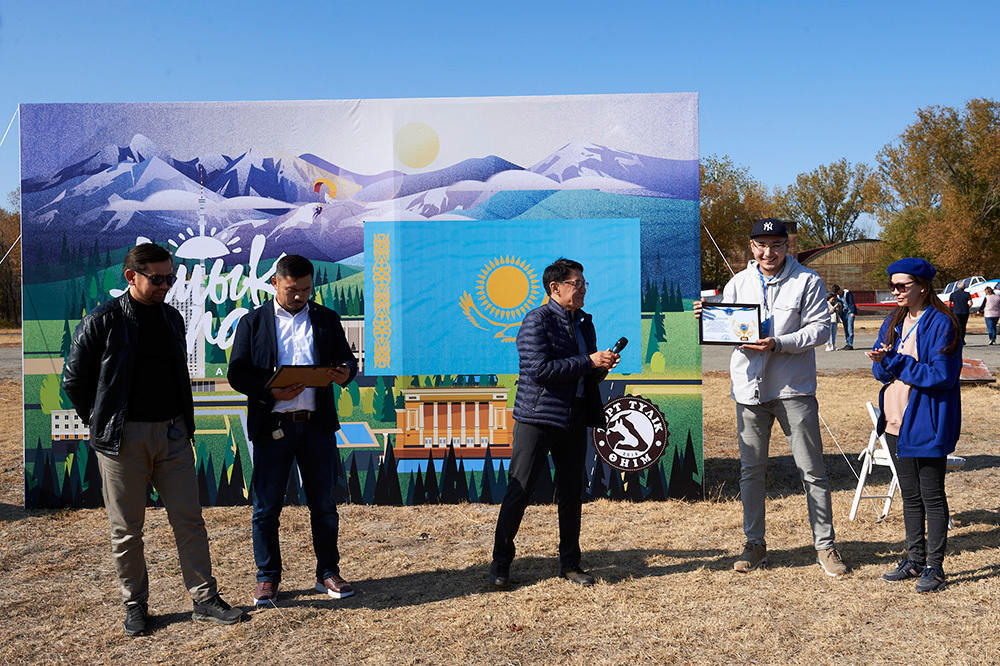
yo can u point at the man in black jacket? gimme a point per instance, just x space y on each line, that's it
557 399
127 378
292 423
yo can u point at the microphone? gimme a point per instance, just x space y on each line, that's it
619 346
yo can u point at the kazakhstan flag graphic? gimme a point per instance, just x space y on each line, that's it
448 296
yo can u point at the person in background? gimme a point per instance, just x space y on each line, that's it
835 307
991 313
918 359
847 313
960 306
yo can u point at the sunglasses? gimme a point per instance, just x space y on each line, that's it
900 286
158 279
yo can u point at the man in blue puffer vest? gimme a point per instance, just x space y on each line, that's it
557 399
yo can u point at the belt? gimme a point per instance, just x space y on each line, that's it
300 416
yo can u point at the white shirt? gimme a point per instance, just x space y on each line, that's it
295 347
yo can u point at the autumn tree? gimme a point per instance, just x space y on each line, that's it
10 269
827 202
731 200
942 176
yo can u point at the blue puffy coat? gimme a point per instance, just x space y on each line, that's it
933 417
550 366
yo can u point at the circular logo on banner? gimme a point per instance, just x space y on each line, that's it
636 435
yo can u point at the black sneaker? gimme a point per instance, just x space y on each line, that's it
499 574
135 619
578 576
931 579
906 569
216 610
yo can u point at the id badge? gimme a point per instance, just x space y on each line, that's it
277 433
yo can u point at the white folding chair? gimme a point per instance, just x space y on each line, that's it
876 453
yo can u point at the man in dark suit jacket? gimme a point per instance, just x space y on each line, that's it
294 422
557 399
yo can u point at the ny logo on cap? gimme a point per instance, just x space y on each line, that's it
768 226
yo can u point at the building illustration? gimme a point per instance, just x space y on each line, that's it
469 419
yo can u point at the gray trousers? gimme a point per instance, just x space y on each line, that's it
799 420
147 455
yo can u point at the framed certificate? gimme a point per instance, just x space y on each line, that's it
729 323
311 375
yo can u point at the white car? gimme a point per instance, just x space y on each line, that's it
975 286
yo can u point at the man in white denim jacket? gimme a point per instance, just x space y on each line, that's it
775 379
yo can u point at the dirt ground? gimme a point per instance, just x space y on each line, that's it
666 591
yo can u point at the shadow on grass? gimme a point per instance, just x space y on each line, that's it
783 477
611 567
12 512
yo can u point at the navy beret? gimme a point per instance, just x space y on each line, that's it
920 268
769 226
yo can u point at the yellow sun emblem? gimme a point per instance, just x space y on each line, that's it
507 287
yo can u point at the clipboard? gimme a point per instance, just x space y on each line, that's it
313 376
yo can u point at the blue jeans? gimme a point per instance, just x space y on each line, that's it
316 455
991 328
848 320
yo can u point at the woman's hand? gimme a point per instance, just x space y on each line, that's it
876 355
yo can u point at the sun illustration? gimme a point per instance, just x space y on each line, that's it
507 287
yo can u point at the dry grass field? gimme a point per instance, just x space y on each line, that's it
666 590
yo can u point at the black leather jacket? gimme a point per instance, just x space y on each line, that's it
97 376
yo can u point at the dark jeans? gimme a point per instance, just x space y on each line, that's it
316 455
529 458
963 321
921 483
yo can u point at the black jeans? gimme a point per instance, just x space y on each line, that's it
529 458
921 483
963 322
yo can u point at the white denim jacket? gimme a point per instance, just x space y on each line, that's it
794 307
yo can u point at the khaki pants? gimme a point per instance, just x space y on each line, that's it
149 455
799 420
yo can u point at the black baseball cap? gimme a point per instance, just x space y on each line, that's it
769 226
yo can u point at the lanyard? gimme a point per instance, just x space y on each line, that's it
912 328
766 323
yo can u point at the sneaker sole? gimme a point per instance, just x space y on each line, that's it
933 589
830 573
759 565
263 603
199 617
320 587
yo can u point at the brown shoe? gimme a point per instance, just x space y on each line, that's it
265 593
831 562
754 555
335 586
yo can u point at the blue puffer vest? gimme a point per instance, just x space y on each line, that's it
551 365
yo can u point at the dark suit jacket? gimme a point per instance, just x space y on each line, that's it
255 358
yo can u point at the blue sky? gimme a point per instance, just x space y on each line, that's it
784 86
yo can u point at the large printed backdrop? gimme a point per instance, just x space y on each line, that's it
229 187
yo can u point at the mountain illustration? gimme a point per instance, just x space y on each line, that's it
677 178
120 192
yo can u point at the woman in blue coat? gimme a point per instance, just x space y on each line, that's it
918 359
